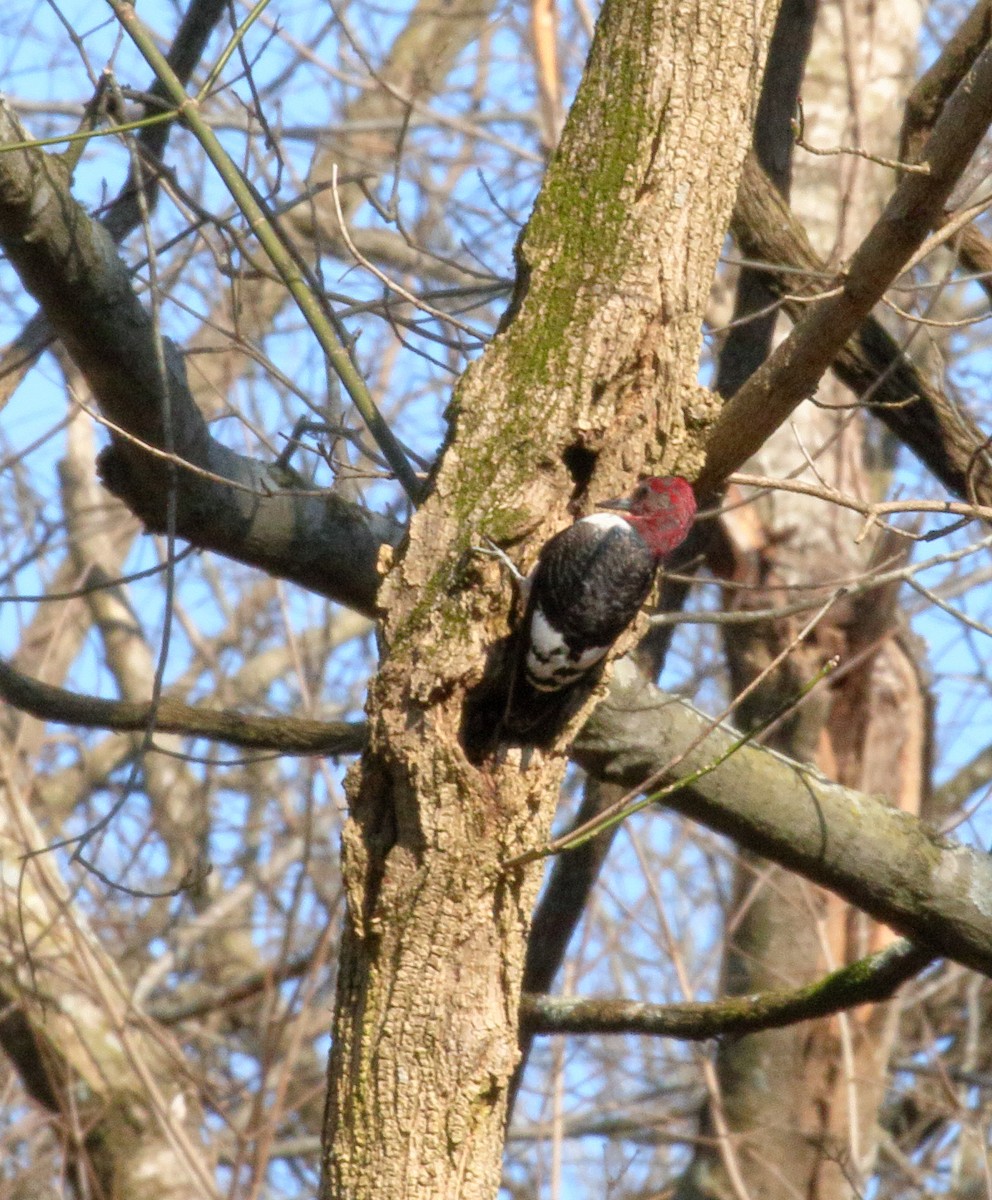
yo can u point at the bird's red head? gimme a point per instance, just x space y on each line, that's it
661 509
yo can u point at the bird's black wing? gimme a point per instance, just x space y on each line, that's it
590 585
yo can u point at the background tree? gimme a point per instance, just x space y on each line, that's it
267 320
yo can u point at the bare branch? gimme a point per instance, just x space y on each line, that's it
886 862
71 267
71 1001
285 735
794 369
871 979
871 364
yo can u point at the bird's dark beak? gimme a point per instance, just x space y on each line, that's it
621 502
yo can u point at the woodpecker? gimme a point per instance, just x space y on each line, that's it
587 587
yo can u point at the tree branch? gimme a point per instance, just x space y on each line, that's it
292 271
869 980
124 212
284 735
932 890
794 369
71 267
936 85
70 1028
871 364
884 861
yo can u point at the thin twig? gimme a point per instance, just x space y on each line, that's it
330 339
391 284
798 129
871 512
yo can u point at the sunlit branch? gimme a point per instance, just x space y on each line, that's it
870 980
871 511
796 366
288 735
871 364
284 261
888 863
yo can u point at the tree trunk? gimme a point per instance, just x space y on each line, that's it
600 353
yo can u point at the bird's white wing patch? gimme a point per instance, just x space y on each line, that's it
605 521
551 665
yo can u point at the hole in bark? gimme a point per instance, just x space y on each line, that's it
580 462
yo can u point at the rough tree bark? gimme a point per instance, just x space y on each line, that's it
600 353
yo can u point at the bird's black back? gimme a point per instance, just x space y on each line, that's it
590 584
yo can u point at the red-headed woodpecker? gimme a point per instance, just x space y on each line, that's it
587 587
